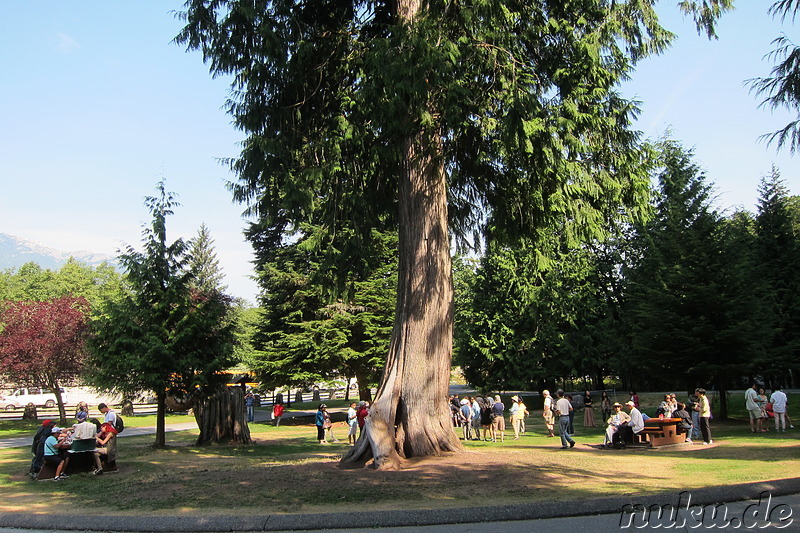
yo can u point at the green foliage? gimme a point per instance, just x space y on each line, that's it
165 335
32 282
305 336
776 245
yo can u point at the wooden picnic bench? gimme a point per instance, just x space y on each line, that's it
662 431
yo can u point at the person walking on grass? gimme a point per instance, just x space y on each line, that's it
277 413
564 407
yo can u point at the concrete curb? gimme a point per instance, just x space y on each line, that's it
374 519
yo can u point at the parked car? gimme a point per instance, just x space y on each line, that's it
23 396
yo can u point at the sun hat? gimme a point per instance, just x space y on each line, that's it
630 403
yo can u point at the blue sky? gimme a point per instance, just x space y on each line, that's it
97 105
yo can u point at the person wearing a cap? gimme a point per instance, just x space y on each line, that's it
52 453
636 423
564 407
518 413
548 412
37 447
618 419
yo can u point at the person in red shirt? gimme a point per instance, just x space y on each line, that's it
277 413
361 415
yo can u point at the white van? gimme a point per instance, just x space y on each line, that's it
22 397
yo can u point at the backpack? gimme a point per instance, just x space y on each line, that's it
119 424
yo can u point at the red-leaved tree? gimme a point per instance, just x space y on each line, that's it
43 343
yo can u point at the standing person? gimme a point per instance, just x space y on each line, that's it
361 416
109 416
277 413
548 412
518 413
82 406
476 416
704 408
352 424
635 398
605 405
695 412
571 415
588 411
319 421
751 403
779 402
250 406
465 418
498 419
486 418
564 408
762 405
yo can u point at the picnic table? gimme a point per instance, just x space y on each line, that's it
662 431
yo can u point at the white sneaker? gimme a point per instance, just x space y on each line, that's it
689 441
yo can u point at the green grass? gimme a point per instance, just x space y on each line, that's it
27 428
286 470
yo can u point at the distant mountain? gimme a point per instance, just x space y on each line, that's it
15 252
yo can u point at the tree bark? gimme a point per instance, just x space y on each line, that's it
410 415
161 414
223 418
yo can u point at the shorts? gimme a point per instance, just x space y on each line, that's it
548 417
54 460
755 414
499 424
353 428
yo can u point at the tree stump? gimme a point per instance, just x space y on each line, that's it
30 412
278 398
223 418
316 397
298 397
127 408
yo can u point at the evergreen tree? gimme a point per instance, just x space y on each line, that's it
304 336
204 265
163 336
425 117
679 300
779 281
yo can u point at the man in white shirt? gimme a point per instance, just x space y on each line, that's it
779 402
564 407
635 425
751 404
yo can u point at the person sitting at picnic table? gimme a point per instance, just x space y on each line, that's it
634 426
686 420
618 419
84 439
52 452
665 408
106 442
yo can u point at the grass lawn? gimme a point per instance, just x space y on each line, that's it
287 471
27 428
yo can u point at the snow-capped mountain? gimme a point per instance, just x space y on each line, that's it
15 252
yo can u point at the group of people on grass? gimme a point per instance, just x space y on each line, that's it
53 445
761 409
356 418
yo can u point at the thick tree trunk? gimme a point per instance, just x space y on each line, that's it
223 418
410 415
161 416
